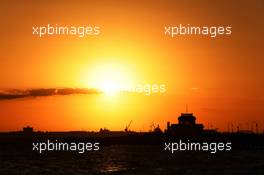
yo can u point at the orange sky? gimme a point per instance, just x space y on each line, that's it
221 79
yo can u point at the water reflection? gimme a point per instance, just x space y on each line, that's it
111 167
114 159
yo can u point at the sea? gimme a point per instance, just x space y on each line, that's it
133 160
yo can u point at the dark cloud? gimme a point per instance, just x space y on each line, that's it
17 93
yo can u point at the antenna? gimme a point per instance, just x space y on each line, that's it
186 108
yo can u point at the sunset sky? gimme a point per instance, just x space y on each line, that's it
221 79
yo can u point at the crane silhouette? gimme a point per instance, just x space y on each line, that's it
127 126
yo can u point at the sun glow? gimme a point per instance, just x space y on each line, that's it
109 78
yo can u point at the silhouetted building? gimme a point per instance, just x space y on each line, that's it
28 130
186 126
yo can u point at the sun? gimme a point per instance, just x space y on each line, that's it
109 78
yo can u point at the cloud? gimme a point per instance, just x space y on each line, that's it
40 92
